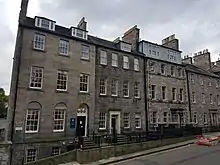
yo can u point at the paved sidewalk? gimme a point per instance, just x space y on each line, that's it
142 153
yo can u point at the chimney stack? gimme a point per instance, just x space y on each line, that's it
82 24
132 36
203 60
171 42
23 10
187 60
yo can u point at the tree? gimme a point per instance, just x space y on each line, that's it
3 103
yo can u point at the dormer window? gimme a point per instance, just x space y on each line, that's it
125 47
45 23
79 33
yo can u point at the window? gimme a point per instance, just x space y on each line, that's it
55 151
154 117
84 81
154 52
157 53
181 94
192 78
137 121
126 89
153 91
209 82
102 121
218 101
174 94
149 51
103 58
203 98
62 78
39 41
114 60
103 86
202 80
59 120
126 120
179 72
163 92
32 121
64 47
126 47
165 117
136 90
125 62
162 69
45 23
79 33
205 118
217 83
31 155
85 52
172 70
193 97
36 77
195 118
211 99
152 64
114 87
136 64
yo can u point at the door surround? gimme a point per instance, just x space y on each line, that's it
83 111
118 121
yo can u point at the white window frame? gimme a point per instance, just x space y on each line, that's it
39 42
54 151
34 77
125 62
127 120
103 57
138 116
195 114
79 33
203 98
116 87
127 84
136 64
39 23
64 74
114 60
101 116
85 52
137 90
31 118
64 47
194 97
153 90
86 82
103 86
62 112
33 155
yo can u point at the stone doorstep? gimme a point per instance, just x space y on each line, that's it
138 154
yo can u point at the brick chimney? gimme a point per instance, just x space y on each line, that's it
202 59
23 10
187 60
171 42
132 36
82 24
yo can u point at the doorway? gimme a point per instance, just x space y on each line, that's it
81 125
115 122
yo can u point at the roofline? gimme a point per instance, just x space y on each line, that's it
42 18
160 45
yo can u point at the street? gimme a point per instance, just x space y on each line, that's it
189 155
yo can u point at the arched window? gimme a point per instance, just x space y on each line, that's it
32 117
59 117
83 109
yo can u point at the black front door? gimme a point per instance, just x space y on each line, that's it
81 124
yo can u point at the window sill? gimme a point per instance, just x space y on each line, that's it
35 89
103 64
102 130
84 93
114 66
39 50
138 128
60 91
64 55
114 95
126 68
85 59
31 132
103 95
57 131
137 70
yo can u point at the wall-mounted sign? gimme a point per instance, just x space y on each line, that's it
72 123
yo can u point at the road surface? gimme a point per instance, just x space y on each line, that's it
189 155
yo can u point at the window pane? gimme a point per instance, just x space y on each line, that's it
62 78
85 52
39 41
64 47
84 79
36 77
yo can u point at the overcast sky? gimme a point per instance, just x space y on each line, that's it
195 22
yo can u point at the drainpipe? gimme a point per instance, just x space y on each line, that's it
188 93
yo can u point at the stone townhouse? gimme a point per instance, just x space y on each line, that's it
119 81
204 89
